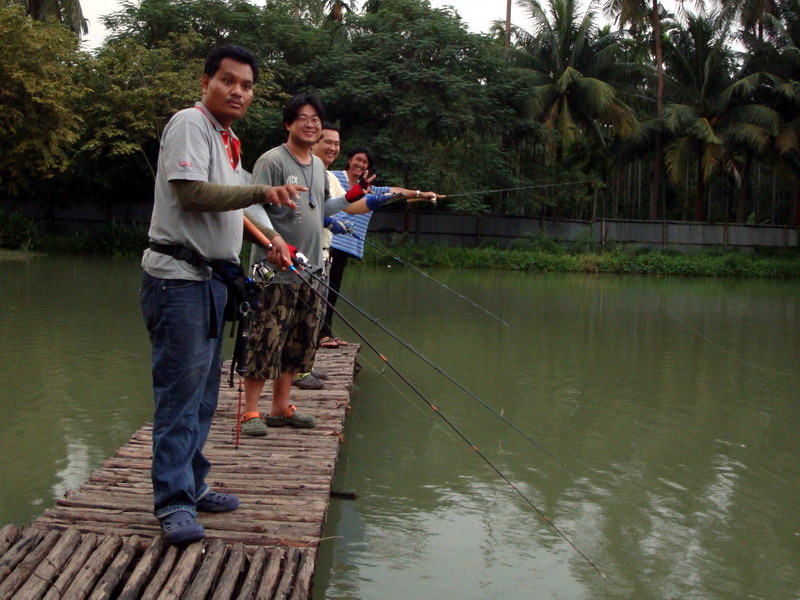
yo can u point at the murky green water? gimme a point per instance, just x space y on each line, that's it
665 411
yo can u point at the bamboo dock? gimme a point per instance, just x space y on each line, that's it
102 540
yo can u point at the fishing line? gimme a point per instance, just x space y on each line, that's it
515 189
424 274
449 423
414 405
261 238
711 342
439 370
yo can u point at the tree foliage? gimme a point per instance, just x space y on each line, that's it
66 12
601 109
39 99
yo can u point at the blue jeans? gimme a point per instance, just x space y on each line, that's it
187 366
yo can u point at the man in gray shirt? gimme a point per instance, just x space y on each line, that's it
201 189
284 331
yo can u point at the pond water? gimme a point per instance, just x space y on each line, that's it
663 412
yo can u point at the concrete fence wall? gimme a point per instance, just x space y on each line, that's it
442 228
471 230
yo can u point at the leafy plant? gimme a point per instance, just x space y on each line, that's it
17 231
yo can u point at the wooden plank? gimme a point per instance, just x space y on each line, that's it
94 567
74 565
113 575
289 571
143 569
231 523
28 565
208 572
48 569
8 535
183 572
302 582
272 572
230 537
162 573
29 539
231 574
253 577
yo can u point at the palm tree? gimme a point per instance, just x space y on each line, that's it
577 65
372 6
68 12
779 57
752 13
640 14
317 11
714 121
336 9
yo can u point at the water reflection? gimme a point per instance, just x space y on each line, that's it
74 361
632 383
77 466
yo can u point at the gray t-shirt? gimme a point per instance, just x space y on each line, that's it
192 148
302 228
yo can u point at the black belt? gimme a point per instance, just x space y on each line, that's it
181 253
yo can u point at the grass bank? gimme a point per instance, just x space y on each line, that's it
709 263
16 254
20 236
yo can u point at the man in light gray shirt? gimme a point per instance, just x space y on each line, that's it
201 189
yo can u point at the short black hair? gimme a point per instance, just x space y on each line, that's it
292 109
327 125
237 53
360 150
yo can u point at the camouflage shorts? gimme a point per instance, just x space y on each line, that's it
283 331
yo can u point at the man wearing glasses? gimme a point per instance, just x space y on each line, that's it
285 329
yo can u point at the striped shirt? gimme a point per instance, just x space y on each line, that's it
348 243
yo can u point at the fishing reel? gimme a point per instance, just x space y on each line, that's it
262 272
300 260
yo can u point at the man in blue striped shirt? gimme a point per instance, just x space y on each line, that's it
343 247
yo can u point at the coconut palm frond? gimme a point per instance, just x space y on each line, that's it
788 138
702 131
676 156
750 136
758 115
567 79
713 155
678 117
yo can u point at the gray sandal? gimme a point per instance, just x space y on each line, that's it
292 418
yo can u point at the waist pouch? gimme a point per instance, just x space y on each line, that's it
229 273
239 293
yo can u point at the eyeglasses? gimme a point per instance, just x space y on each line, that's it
313 119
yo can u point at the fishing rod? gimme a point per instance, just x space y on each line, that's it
516 189
436 368
423 273
449 423
301 263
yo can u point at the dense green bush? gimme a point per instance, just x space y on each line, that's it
631 261
115 239
17 232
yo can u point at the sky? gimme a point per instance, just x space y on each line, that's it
478 14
